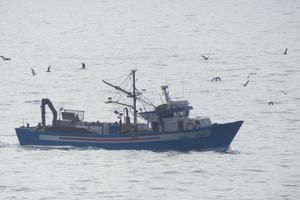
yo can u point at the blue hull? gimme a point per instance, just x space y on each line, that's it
218 136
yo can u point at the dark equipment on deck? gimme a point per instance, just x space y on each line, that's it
45 102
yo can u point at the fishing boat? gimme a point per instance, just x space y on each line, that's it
167 126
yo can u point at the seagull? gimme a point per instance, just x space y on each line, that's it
285 51
250 75
283 92
83 66
48 69
245 84
271 103
216 79
4 58
33 72
205 57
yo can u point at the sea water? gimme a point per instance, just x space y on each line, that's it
164 41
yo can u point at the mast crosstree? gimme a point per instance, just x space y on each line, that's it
134 95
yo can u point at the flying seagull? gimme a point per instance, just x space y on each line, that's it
251 74
245 84
4 58
285 51
49 69
205 57
33 72
284 92
83 66
216 79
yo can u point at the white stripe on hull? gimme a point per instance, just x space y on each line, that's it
129 139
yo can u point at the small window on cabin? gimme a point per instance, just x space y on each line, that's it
186 113
180 125
169 115
154 126
180 114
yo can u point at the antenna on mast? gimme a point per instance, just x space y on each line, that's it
182 88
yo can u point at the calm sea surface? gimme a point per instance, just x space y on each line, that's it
164 41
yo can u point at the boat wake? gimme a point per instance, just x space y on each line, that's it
63 148
7 145
230 151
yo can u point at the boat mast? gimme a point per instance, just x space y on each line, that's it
134 98
134 95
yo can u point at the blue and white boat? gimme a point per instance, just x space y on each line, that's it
167 127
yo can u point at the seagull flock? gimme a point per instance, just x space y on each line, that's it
33 72
217 78
214 79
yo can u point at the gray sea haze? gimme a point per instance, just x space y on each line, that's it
164 40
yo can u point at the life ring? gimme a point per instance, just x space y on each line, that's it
189 126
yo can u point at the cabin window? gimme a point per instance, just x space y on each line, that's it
169 115
180 114
180 125
187 113
154 126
